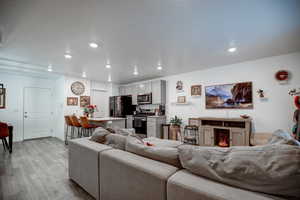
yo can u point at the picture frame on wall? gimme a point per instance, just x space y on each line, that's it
229 96
181 99
72 101
2 98
196 90
85 101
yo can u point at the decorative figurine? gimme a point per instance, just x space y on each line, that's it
261 93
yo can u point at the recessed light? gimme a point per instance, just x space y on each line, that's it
159 67
108 66
50 68
135 73
83 75
109 78
93 45
232 49
68 56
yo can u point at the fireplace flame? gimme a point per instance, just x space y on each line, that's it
223 140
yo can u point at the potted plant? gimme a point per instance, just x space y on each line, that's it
89 110
175 127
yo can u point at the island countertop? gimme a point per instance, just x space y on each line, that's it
105 119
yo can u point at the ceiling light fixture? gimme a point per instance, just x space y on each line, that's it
108 66
83 75
159 67
50 68
93 45
231 49
109 78
135 72
68 56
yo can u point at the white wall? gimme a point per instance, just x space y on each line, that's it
59 102
15 85
61 89
274 113
89 85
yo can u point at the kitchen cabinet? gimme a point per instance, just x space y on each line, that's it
157 88
154 126
144 88
134 94
158 92
129 121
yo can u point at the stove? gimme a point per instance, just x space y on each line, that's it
140 122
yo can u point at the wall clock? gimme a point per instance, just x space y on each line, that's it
77 88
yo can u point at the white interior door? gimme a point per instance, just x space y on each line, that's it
100 98
37 113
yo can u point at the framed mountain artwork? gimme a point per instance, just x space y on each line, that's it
232 96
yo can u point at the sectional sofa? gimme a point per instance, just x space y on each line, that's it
112 174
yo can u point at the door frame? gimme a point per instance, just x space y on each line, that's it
23 109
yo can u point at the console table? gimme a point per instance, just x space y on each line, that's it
223 132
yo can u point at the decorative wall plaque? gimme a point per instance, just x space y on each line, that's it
77 88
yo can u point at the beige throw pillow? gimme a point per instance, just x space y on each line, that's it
164 154
99 135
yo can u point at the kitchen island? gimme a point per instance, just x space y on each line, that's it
108 122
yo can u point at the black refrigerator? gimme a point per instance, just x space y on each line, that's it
120 106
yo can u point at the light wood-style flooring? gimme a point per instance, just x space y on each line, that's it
38 170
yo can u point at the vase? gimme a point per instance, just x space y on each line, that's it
174 132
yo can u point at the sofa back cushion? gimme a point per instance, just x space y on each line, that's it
160 153
116 141
272 169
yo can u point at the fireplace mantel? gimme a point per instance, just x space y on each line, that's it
220 131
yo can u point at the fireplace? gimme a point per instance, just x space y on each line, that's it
222 137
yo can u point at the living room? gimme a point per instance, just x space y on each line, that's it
172 91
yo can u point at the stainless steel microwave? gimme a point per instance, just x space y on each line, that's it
144 99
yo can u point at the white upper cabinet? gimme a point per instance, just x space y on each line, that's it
158 92
157 88
134 92
144 88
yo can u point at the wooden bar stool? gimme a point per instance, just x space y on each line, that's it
87 128
69 123
76 124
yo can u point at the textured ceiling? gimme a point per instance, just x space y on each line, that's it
184 35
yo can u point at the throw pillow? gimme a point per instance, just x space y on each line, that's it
282 137
272 169
146 149
99 135
124 131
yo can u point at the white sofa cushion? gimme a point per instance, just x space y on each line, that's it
272 169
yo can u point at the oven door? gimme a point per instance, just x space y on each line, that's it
140 125
144 99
